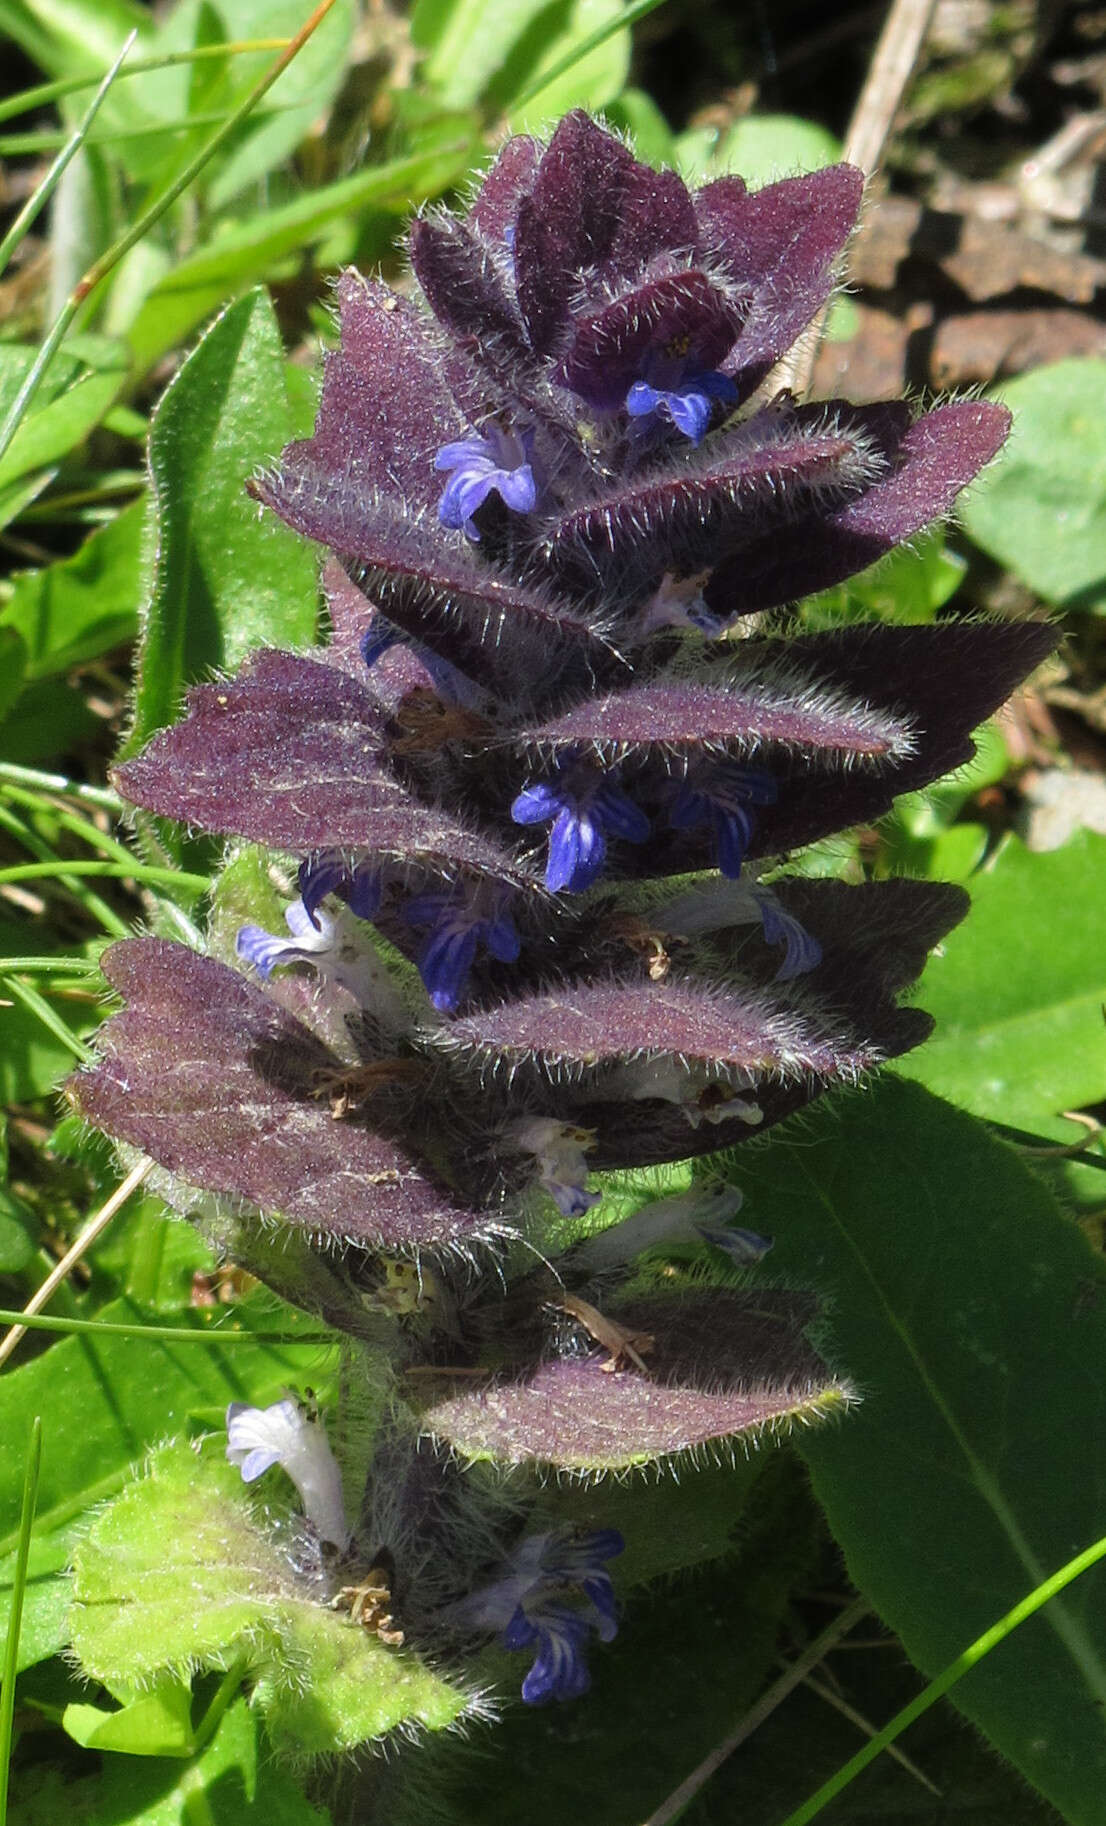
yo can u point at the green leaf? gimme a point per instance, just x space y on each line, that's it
81 607
32 1059
13 667
224 580
107 1401
158 1723
246 251
81 385
297 100
1017 991
467 41
45 1627
234 1781
176 1574
763 147
973 1314
906 588
1041 511
17 1223
591 80
48 718
72 37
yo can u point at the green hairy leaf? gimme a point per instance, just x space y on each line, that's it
223 581
177 1575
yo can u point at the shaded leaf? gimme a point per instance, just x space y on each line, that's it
972 1314
80 607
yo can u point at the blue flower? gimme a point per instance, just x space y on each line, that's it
530 1607
682 395
313 939
329 872
459 926
499 462
338 948
560 1669
803 952
585 807
258 1438
724 796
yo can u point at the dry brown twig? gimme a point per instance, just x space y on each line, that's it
892 65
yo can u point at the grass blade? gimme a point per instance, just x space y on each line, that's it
216 1333
43 93
42 192
108 261
937 1689
638 10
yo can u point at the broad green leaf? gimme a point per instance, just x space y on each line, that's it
158 1723
1041 511
48 718
31 1059
224 579
299 98
763 147
1017 991
235 1781
18 495
246 251
150 1257
73 37
177 1574
331 1687
802 1744
44 1630
104 1403
79 390
79 608
17 1223
973 1316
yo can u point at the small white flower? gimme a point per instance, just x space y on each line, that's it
258 1438
562 1169
700 1214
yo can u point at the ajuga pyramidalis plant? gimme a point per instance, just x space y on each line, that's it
532 788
